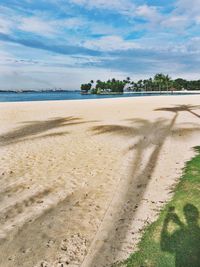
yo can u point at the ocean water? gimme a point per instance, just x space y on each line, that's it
44 96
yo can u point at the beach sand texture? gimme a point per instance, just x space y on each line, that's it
81 179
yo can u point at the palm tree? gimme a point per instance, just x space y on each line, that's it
145 83
140 84
150 84
128 79
167 81
159 79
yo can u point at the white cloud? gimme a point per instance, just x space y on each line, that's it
176 22
11 20
47 27
5 56
193 45
73 23
120 6
188 6
148 12
185 14
37 26
5 26
110 43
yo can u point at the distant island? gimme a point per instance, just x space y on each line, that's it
159 82
39 91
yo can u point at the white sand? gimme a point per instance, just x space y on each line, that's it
81 179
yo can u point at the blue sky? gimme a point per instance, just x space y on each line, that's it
63 43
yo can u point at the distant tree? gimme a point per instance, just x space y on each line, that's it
180 83
86 87
159 79
145 84
140 85
93 91
128 80
168 82
150 86
158 82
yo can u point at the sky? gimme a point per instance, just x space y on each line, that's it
47 44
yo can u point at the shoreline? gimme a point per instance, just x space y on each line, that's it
101 96
60 162
96 99
79 91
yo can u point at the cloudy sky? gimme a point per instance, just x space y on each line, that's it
62 43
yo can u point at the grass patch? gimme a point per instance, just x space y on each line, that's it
174 239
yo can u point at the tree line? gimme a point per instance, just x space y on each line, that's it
115 86
159 82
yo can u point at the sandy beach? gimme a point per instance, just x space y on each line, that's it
80 180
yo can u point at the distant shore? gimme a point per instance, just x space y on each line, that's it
104 93
76 95
166 92
39 91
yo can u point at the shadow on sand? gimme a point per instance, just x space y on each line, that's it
151 136
31 129
181 108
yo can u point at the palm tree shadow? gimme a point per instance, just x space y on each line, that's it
182 108
32 129
149 135
184 242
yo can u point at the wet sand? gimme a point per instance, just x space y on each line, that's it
81 179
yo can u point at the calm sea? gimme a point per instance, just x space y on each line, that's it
42 96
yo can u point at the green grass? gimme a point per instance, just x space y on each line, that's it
174 239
